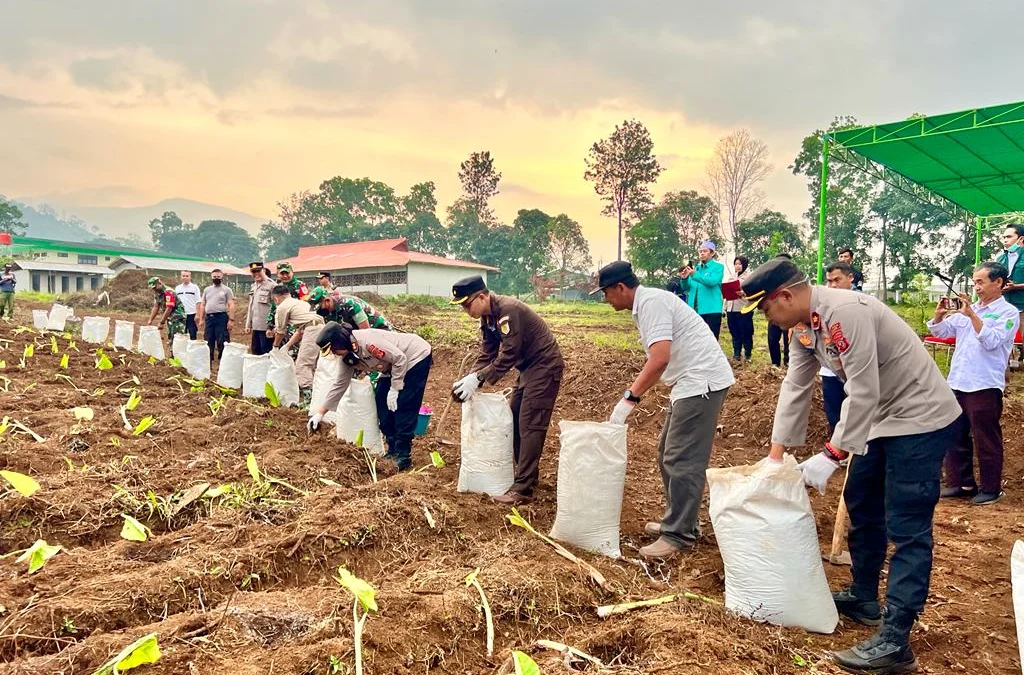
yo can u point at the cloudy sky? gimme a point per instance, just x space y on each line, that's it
241 102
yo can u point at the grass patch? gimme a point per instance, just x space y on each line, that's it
33 296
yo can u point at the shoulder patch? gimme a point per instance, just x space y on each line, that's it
836 331
376 351
504 326
1009 324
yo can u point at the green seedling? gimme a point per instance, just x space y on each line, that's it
133 400
82 413
335 666
516 519
26 486
103 362
30 350
436 459
471 580
254 468
5 424
72 345
64 360
68 626
133 530
260 477
3 364
144 424
524 665
53 345
38 554
144 650
215 404
271 394
363 596
152 360
174 361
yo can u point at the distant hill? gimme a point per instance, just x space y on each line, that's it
44 222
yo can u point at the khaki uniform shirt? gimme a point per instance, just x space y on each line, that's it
893 387
293 312
381 350
259 306
513 335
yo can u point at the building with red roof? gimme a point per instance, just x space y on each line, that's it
384 266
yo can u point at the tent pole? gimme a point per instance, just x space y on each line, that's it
977 240
822 207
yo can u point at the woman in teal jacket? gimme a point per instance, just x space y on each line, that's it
703 287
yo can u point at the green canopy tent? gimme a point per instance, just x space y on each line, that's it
970 164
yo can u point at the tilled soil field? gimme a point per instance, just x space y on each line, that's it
244 582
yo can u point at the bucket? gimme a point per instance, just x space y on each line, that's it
423 421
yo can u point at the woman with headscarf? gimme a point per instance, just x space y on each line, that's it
741 325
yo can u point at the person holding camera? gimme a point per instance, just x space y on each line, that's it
702 287
984 333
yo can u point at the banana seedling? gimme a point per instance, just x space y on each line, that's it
144 650
26 486
53 345
471 580
259 476
38 554
364 596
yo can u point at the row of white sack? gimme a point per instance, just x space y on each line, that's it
55 319
761 514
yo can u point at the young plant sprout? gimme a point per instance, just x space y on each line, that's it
364 596
471 580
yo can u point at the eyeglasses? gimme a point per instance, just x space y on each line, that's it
469 301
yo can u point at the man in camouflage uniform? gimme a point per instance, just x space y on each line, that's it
356 312
168 307
298 289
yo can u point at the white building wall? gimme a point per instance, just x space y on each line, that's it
421 279
437 280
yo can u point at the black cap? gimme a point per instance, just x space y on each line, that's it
463 288
334 336
613 273
775 274
256 266
323 275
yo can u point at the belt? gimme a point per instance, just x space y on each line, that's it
313 322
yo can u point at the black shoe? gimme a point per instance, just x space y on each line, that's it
984 498
957 492
887 651
864 612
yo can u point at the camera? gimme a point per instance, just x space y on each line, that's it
950 303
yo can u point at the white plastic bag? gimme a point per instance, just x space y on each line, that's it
95 329
486 464
124 334
179 346
324 377
229 372
357 412
150 342
254 374
591 477
197 359
282 377
58 316
39 318
769 544
1017 591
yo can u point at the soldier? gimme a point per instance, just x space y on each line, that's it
167 305
406 357
324 279
356 312
513 335
258 310
296 288
898 420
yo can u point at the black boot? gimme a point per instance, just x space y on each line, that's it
864 612
884 653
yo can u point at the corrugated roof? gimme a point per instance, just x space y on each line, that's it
177 264
367 254
96 248
58 268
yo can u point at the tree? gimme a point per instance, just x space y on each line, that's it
466 232
352 209
672 231
10 218
419 223
767 234
170 234
695 217
479 183
224 241
568 250
740 162
908 230
280 240
621 167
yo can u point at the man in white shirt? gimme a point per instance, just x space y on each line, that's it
684 355
189 295
984 335
838 275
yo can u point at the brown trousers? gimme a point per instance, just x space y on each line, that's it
532 403
309 353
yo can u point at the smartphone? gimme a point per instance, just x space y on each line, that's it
950 303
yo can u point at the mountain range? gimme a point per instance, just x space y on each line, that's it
86 223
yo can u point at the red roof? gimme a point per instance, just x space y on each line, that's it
363 254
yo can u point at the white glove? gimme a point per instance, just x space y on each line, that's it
466 387
621 411
392 400
313 424
817 470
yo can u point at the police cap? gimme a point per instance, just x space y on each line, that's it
334 336
256 266
770 277
464 288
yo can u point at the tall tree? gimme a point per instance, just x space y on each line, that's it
283 240
739 164
695 217
419 223
223 241
568 251
170 234
767 234
671 232
466 232
910 232
621 167
10 218
353 209
479 181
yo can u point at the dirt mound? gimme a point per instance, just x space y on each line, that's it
127 282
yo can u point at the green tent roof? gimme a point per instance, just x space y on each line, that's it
973 158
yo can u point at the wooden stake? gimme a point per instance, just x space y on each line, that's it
839 555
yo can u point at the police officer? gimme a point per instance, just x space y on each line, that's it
256 314
513 335
898 420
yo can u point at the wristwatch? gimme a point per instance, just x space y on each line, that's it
630 397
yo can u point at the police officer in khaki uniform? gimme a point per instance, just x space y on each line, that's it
513 335
256 314
898 420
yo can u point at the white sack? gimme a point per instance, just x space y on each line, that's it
124 334
254 374
1017 586
326 374
39 319
357 412
229 372
591 477
197 359
95 329
179 346
282 377
150 342
58 316
769 544
486 462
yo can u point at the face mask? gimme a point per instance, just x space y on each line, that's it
1014 248
217 281
351 359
